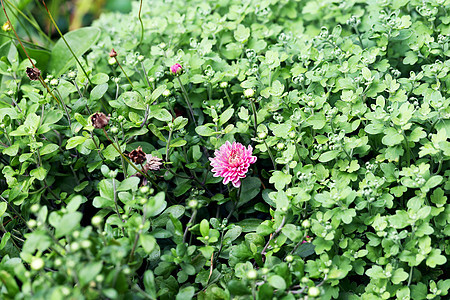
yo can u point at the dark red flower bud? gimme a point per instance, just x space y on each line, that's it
113 53
137 156
99 120
33 73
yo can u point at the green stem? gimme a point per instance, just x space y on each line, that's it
124 72
65 41
186 98
168 144
115 203
271 156
142 24
64 107
125 173
255 122
136 239
359 37
228 97
145 75
410 276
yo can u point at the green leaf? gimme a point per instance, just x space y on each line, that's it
11 150
250 187
156 204
100 78
148 242
376 272
436 258
80 40
280 179
75 203
392 137
68 223
204 228
89 271
130 183
329 155
242 33
75 141
225 116
238 288
161 114
186 293
277 282
39 173
98 91
3 207
398 276
157 92
133 100
317 121
5 239
204 130
177 143
179 123
49 148
10 283
410 58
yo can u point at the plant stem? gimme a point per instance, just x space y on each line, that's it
64 107
65 41
228 97
359 37
194 214
283 221
168 144
125 173
124 71
142 24
136 239
410 276
145 75
186 97
255 119
270 155
115 202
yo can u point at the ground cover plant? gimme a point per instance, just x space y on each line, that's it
230 150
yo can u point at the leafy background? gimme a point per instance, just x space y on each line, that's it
349 119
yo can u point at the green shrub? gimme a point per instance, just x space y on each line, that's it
344 103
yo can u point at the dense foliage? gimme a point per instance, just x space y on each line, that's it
344 103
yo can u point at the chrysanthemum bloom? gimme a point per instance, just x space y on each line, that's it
137 156
153 163
232 162
99 120
176 69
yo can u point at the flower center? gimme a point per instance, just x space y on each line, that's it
234 157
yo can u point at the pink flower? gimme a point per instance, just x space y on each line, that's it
232 162
176 69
